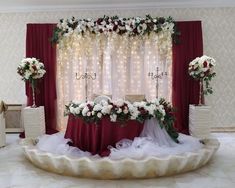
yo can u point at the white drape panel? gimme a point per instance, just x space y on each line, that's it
121 64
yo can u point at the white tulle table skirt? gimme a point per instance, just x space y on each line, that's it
153 141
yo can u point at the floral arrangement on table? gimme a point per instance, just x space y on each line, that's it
122 26
202 69
31 69
122 111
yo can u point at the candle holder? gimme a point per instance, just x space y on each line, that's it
156 76
86 76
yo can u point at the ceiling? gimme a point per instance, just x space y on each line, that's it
50 5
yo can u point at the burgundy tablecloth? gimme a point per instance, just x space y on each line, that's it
95 138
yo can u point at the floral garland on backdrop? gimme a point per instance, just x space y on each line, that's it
122 26
122 111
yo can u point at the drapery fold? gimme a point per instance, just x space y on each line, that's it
38 45
185 90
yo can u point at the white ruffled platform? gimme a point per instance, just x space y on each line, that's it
106 168
152 154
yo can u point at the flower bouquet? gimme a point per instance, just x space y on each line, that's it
202 69
121 111
31 69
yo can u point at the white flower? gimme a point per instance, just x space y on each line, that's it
125 111
141 28
113 117
97 107
85 110
106 109
128 27
119 110
99 115
27 74
155 101
72 110
88 114
82 105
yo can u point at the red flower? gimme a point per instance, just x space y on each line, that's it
34 67
205 64
207 72
89 107
142 111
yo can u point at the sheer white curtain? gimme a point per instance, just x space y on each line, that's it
121 64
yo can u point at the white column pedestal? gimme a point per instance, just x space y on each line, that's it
199 121
34 121
2 131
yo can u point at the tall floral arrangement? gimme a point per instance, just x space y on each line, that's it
31 69
202 69
135 26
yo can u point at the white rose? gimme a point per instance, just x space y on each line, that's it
113 117
125 111
99 115
88 114
84 111
97 107
72 110
77 110
119 110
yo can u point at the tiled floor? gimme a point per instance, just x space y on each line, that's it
16 171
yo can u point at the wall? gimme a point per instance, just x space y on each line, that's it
219 42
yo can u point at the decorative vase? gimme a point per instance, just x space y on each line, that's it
201 93
33 85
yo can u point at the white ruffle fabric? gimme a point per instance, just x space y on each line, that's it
153 141
57 144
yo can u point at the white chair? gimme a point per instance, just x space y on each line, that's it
3 108
134 98
101 98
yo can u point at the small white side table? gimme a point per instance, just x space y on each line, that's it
34 121
199 121
2 130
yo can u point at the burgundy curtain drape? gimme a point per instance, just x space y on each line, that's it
185 90
38 45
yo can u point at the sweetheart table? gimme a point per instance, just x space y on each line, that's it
96 137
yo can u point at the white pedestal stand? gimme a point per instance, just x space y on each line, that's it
34 121
2 130
199 121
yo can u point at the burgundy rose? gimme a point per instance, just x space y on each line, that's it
34 67
135 31
205 64
89 107
99 21
207 72
115 27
